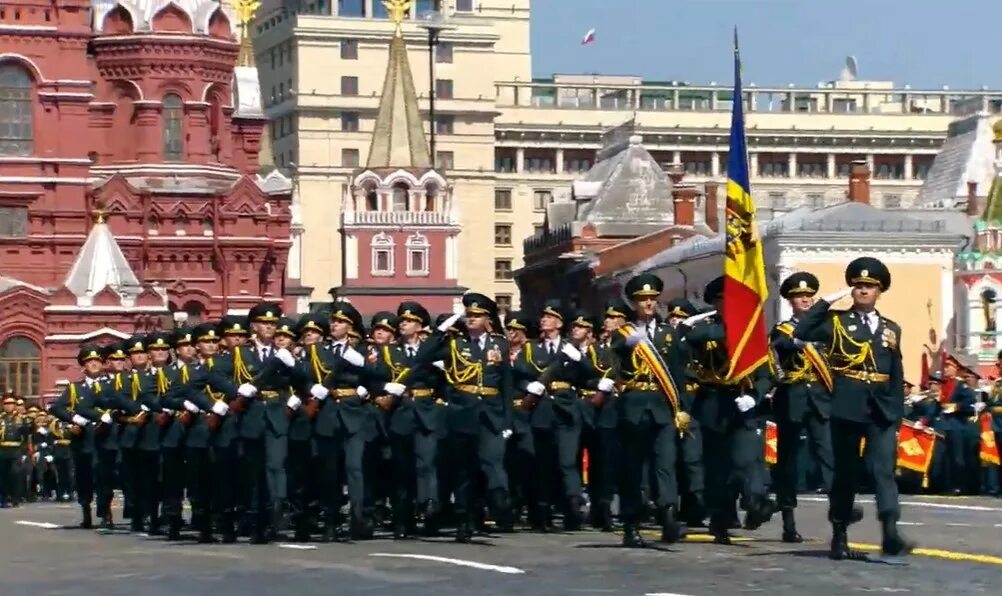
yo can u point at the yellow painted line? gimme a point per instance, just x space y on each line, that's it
938 554
693 537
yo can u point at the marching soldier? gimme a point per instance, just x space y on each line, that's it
651 410
76 406
520 454
864 352
802 401
379 452
732 444
300 455
12 437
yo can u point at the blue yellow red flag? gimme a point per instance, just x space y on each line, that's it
745 289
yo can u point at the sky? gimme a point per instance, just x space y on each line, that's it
924 43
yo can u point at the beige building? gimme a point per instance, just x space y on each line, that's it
509 144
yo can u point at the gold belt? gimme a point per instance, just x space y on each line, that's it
10 444
62 442
692 387
587 392
422 392
517 403
996 409
866 377
559 386
478 390
343 393
268 394
807 378
642 386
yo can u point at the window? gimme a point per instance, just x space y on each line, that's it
445 160
502 199
349 85
401 198
815 199
15 111
173 134
502 234
349 121
444 124
443 88
504 302
538 229
13 222
502 269
417 255
443 53
349 158
777 200
464 5
349 49
351 8
20 366
892 201
382 255
540 199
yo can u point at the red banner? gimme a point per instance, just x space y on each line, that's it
915 447
771 443
989 450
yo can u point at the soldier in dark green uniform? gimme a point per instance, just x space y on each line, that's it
732 445
12 437
76 406
802 401
864 352
520 454
478 370
651 411
300 454
379 451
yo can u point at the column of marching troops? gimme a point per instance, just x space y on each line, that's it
262 422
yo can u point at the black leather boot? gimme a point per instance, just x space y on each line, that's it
227 527
893 543
174 528
204 528
840 543
632 537
671 529
88 522
464 532
572 518
790 533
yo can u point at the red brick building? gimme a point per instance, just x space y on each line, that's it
129 186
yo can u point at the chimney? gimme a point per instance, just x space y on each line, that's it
675 172
973 208
711 208
859 182
684 199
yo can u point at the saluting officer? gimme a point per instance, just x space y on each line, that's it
864 351
802 401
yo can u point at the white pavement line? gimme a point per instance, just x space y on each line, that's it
959 525
298 546
460 562
918 504
901 523
664 594
33 524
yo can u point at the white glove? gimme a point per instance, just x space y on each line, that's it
79 420
43 431
144 407
506 434
635 337
166 411
697 318
979 406
745 403
606 385
450 321
220 408
44 445
353 357
395 389
23 458
294 402
34 456
362 392
458 309
48 458
836 296
286 357
319 391
247 390
191 407
571 352
439 364
106 418
535 388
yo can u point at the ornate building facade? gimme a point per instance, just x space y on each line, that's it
129 184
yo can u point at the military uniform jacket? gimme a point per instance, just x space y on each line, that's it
111 398
202 386
347 413
520 418
480 379
77 399
800 391
959 409
994 403
598 363
221 366
867 366
275 383
422 406
59 438
560 402
633 403
13 433
136 392
714 406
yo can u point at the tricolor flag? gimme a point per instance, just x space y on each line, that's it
745 289
589 38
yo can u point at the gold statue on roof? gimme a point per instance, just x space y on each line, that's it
245 10
398 10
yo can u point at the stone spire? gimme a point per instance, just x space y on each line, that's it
398 140
101 264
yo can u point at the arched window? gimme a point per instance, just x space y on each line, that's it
195 312
20 366
15 111
173 134
382 255
430 194
401 198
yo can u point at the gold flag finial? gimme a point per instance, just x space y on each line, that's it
246 9
398 10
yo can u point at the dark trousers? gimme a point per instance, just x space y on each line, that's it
140 488
227 479
104 479
404 477
199 480
172 491
733 461
83 472
464 467
264 468
788 460
341 459
64 475
602 446
490 453
520 453
638 441
693 473
299 477
881 458
8 479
